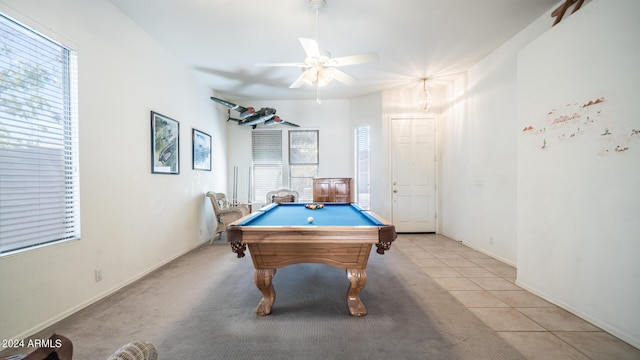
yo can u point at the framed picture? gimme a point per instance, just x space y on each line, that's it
165 144
201 150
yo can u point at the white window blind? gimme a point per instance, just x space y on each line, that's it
303 161
362 143
39 186
266 149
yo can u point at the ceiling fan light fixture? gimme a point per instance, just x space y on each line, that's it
425 100
310 76
325 76
319 68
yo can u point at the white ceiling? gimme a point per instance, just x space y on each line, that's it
223 40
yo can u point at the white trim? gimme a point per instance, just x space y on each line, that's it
43 325
34 24
438 205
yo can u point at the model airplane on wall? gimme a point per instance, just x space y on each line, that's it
249 116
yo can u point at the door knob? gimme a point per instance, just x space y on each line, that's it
395 190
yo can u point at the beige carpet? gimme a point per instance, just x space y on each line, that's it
201 306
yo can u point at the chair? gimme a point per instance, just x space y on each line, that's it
282 195
224 212
137 350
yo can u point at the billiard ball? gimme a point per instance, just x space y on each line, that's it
310 219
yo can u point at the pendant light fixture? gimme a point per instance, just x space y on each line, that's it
425 100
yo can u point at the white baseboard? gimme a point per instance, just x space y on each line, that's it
45 324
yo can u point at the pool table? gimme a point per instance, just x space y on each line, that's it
340 235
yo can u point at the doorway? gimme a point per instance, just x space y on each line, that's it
413 174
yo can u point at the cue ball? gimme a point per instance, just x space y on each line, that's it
310 219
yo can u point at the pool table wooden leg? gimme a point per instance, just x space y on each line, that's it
357 279
263 279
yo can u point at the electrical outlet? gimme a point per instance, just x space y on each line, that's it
98 274
490 240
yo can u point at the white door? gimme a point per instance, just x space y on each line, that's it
413 164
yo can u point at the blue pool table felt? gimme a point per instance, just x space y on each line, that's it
296 214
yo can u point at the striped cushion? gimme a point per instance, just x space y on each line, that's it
137 350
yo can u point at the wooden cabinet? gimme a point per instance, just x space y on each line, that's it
332 190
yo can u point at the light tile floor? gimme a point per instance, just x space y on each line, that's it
486 286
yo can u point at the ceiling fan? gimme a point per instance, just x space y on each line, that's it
319 68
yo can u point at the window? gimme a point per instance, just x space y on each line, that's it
39 188
362 150
303 161
272 170
266 148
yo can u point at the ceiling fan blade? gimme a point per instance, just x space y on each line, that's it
298 82
283 64
353 59
343 77
308 77
310 47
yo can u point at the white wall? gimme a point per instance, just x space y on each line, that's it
367 110
335 119
478 179
566 215
331 118
579 196
132 221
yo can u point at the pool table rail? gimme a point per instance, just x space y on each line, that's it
239 236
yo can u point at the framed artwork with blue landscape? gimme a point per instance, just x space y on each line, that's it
201 151
165 144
